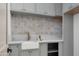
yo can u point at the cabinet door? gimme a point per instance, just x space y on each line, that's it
16 6
60 48
35 52
58 9
45 8
51 9
25 53
29 7
43 49
14 50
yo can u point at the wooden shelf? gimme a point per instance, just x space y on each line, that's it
73 11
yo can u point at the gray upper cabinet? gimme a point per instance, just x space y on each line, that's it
58 9
16 6
45 9
29 7
49 9
23 7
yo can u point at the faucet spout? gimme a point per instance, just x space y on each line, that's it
40 38
28 36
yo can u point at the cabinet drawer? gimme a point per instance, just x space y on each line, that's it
30 52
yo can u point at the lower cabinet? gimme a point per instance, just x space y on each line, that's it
45 49
53 49
34 52
15 50
42 51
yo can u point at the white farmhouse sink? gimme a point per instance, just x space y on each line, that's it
30 45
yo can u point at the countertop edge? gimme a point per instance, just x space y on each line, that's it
49 41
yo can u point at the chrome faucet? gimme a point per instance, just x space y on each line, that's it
28 36
40 38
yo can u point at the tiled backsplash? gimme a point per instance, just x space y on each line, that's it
36 25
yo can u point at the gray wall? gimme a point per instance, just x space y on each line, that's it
68 35
3 44
47 27
76 35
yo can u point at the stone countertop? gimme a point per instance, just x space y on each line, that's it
43 41
50 41
39 42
